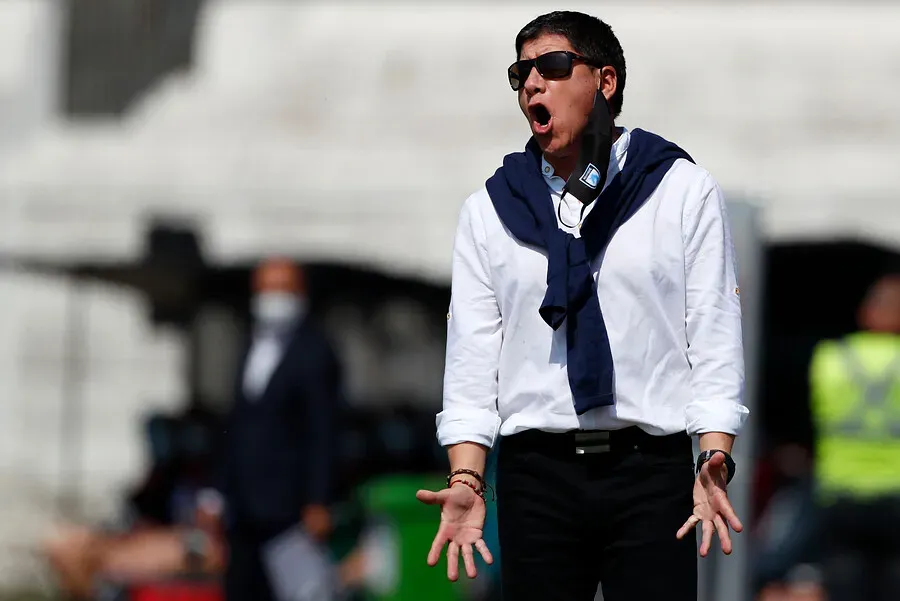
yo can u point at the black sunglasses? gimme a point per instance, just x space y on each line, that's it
552 65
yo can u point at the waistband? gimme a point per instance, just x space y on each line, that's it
593 442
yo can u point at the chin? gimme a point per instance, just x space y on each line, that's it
547 143
553 148
551 145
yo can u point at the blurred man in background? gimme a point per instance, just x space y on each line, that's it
855 392
281 442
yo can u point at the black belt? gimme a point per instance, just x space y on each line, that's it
592 442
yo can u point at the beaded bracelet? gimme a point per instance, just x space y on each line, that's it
465 472
484 486
479 492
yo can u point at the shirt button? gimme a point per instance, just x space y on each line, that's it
546 169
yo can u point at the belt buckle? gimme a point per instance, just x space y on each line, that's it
592 442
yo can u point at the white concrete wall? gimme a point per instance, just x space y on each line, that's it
123 369
28 67
28 84
127 369
367 154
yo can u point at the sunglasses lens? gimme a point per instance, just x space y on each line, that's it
518 73
514 81
554 65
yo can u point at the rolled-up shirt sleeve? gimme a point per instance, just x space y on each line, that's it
713 317
474 336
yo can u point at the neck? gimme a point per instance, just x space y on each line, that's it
564 164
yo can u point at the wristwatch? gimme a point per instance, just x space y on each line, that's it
705 456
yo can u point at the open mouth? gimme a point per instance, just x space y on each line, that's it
540 118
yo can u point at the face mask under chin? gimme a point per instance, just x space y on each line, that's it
278 308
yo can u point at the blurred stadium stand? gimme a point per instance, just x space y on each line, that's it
274 144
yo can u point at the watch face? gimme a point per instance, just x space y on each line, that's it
702 458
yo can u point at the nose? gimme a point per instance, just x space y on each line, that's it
534 84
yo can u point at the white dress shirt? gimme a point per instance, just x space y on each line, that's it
668 290
264 357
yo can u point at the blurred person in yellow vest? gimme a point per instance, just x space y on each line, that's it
855 394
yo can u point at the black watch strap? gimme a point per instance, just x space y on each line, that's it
705 456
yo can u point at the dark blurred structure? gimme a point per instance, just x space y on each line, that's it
386 322
155 537
173 269
390 424
182 448
814 291
117 49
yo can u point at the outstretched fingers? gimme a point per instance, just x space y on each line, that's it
727 512
434 554
469 560
453 561
724 535
687 526
485 552
706 538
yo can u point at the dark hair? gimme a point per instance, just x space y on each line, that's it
589 36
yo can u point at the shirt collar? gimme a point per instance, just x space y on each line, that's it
619 149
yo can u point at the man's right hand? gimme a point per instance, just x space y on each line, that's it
462 524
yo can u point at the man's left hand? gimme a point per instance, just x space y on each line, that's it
712 508
317 521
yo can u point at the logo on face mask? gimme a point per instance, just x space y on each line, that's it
590 177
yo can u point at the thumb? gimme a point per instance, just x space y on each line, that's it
715 467
717 460
430 497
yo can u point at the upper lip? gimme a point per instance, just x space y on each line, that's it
533 106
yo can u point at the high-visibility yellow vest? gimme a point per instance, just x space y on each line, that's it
855 394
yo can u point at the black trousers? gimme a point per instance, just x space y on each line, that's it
245 575
862 552
568 522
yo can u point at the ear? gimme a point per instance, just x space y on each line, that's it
608 81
